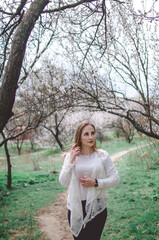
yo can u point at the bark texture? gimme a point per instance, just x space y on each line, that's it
13 67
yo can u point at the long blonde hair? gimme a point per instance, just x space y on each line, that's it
78 133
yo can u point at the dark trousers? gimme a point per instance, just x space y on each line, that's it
94 228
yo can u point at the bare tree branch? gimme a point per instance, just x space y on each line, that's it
68 6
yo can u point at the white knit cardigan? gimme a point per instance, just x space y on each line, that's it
96 201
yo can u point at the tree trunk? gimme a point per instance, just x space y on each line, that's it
9 176
19 150
19 146
13 67
32 145
59 142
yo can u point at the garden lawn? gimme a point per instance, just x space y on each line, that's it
19 205
30 191
117 145
13 149
133 211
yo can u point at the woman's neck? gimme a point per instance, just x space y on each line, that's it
86 150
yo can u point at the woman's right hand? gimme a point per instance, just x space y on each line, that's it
74 152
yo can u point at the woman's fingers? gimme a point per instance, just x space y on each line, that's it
74 152
77 150
87 182
84 181
74 145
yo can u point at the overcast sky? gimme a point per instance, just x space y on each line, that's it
146 4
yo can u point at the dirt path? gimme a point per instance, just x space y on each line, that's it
26 158
22 155
116 157
53 221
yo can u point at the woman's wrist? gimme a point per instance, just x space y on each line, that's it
96 182
71 160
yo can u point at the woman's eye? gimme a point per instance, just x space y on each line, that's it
86 134
92 133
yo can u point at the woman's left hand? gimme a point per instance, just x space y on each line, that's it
87 182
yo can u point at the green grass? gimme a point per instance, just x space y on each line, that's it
116 145
30 191
20 204
133 211
26 148
42 159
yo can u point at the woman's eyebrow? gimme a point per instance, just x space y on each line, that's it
85 132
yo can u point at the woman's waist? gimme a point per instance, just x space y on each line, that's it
98 200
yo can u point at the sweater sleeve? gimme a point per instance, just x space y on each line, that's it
112 178
66 172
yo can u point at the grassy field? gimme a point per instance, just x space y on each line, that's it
19 205
30 191
116 145
133 211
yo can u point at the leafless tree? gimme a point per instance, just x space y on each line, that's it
48 98
56 126
17 22
16 130
127 83
46 93
126 128
28 28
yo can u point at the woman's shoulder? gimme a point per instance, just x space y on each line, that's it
102 152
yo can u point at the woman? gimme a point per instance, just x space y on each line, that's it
87 172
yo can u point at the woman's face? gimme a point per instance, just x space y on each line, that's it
88 137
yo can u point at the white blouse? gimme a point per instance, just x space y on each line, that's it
84 168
